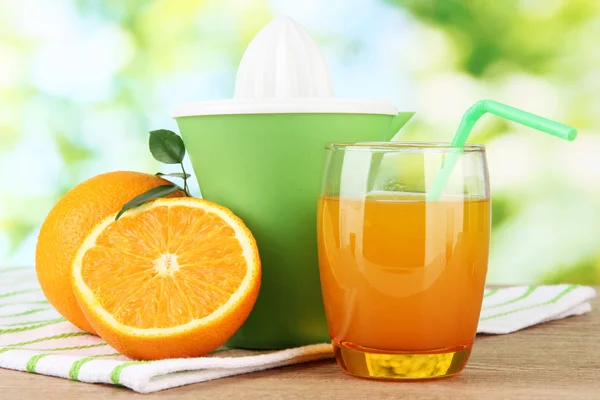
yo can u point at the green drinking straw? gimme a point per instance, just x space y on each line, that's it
501 110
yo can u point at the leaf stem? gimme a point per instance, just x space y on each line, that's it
185 185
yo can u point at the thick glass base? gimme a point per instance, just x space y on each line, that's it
371 363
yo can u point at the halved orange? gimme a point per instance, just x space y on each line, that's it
173 278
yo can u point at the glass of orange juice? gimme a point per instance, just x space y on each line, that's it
402 277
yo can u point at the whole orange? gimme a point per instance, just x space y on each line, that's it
70 221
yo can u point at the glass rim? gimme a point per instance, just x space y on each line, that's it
399 146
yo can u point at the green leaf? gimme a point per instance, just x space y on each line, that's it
166 146
155 193
174 174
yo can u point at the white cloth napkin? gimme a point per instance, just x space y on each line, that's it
35 338
511 309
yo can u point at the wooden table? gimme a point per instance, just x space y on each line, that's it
558 360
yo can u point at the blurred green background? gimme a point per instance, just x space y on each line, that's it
83 81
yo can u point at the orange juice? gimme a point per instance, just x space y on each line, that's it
401 275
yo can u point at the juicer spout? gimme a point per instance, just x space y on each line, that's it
397 123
